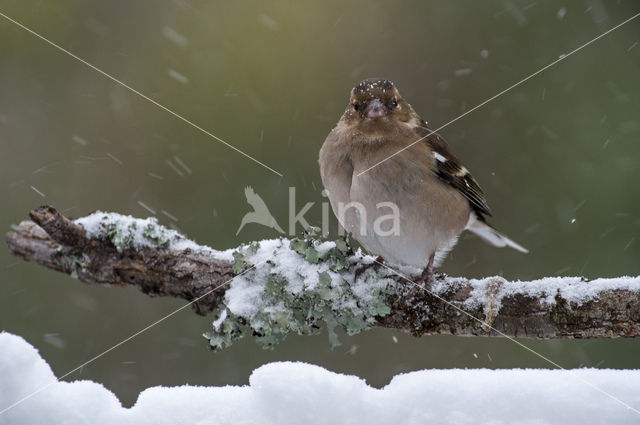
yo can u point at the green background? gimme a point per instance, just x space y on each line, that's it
558 157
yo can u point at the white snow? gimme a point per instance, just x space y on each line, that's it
299 393
97 224
243 298
572 289
182 79
275 257
175 36
326 246
38 192
219 320
462 72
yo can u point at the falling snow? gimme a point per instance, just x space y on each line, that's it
178 76
562 12
174 36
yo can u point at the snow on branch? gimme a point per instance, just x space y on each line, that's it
273 287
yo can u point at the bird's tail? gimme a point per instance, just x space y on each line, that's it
491 235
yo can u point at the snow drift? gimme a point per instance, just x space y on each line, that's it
299 393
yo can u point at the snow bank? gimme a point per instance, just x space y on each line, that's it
299 393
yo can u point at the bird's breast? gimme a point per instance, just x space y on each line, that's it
400 210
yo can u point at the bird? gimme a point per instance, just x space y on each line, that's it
260 213
383 164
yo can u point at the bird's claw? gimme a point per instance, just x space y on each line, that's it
425 279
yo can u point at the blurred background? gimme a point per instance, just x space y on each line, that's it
558 157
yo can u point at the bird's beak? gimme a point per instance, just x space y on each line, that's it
375 109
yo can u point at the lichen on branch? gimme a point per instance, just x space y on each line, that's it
293 285
273 287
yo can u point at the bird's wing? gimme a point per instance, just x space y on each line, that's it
451 171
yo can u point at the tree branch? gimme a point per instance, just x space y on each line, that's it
277 286
56 242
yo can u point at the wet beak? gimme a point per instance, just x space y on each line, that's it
375 109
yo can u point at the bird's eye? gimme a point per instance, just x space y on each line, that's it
356 106
394 102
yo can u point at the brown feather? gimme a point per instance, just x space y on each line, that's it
452 172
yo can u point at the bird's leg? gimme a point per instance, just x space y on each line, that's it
425 277
375 265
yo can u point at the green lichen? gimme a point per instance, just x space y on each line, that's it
282 309
308 246
158 235
122 238
227 331
242 257
125 237
74 263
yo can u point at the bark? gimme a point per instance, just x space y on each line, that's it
58 243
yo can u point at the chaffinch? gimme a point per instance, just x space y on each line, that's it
396 186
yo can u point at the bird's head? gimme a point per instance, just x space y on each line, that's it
375 109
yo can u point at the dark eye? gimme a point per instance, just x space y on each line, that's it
394 103
356 106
